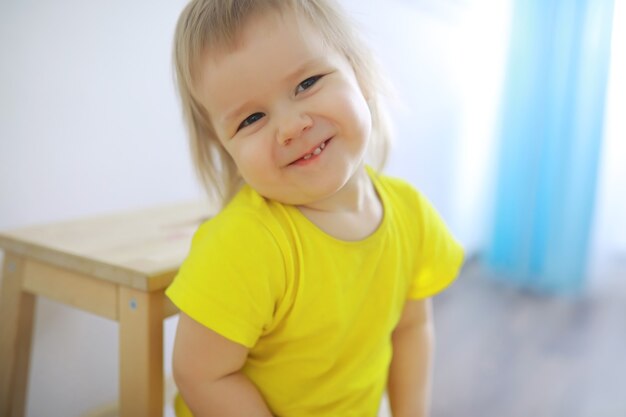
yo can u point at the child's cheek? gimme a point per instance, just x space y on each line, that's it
252 153
349 93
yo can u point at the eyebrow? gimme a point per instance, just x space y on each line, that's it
298 72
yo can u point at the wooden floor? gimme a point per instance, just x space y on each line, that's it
505 352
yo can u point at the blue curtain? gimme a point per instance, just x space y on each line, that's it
550 140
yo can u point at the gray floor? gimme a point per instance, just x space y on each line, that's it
505 352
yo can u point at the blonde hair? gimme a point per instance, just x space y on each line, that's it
206 25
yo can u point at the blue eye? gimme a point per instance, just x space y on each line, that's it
308 83
250 120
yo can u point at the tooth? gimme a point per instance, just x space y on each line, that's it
317 151
307 156
323 145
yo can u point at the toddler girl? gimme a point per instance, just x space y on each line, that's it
307 295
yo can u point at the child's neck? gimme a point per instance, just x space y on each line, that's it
352 214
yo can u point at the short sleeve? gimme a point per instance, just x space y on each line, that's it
232 278
439 255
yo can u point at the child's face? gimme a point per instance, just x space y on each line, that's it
289 111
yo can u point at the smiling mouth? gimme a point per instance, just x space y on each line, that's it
313 153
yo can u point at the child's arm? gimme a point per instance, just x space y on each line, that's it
207 371
410 370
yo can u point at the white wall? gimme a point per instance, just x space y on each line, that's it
89 120
609 239
89 124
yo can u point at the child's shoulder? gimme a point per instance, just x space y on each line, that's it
397 189
405 199
247 221
396 183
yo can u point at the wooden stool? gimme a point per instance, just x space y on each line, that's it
115 266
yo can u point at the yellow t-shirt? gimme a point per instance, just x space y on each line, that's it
316 312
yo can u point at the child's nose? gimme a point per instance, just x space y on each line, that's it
293 126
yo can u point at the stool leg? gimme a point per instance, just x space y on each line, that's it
16 330
141 353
